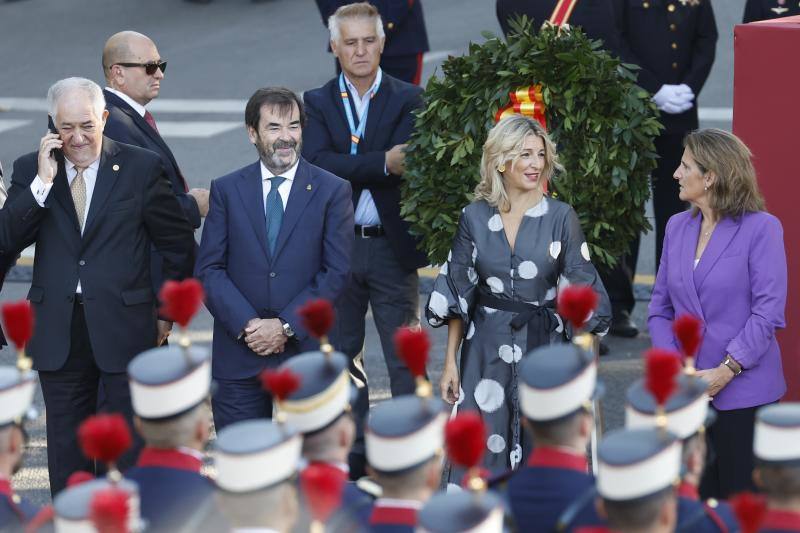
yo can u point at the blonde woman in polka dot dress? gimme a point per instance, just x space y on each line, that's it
513 249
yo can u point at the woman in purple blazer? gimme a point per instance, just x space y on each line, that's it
724 262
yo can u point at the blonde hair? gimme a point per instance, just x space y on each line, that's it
503 147
360 10
735 190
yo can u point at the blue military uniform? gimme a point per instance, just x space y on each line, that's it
403 434
166 383
769 9
777 433
16 393
556 382
674 43
687 415
596 19
406 36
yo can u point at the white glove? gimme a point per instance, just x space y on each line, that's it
674 99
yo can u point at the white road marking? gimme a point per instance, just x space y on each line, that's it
196 129
10 124
432 57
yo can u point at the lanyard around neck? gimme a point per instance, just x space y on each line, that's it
356 134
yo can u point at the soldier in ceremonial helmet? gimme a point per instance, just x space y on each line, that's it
257 462
16 393
777 472
557 386
404 440
169 388
688 415
17 386
317 405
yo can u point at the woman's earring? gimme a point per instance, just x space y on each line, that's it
705 188
501 168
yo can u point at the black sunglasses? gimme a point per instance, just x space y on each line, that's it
149 68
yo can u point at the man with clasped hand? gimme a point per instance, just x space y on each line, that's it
358 124
279 233
93 207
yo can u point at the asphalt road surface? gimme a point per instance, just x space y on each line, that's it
218 55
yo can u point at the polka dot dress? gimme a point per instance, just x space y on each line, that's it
549 253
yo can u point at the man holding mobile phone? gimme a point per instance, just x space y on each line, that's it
93 207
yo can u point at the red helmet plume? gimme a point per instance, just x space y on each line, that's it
317 317
750 510
109 510
575 304
181 300
413 344
465 439
18 320
323 486
687 331
104 437
661 368
280 383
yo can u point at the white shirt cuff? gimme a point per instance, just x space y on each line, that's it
40 190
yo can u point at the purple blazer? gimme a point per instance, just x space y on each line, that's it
738 291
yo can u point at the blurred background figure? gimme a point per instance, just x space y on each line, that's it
406 36
769 9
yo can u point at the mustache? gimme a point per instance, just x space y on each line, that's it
284 144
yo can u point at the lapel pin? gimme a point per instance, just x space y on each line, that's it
308 187
115 167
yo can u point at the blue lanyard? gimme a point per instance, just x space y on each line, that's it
356 134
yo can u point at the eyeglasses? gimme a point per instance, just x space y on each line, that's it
149 68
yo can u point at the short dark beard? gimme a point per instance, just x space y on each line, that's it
269 158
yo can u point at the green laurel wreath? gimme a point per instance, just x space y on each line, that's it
603 123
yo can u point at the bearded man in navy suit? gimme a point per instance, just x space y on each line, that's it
279 233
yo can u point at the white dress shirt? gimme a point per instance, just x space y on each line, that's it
366 213
40 189
139 108
283 189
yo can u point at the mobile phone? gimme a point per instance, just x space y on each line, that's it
52 128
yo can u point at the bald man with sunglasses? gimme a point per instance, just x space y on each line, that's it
134 70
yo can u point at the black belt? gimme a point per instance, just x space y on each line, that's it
370 231
539 319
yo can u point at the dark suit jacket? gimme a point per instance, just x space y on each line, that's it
649 31
403 24
125 125
132 206
595 17
326 142
242 280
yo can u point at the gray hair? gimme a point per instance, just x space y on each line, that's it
173 432
68 85
362 10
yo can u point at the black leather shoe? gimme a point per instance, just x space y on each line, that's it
623 326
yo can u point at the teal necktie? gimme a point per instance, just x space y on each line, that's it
274 212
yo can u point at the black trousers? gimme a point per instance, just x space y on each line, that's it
377 280
235 400
730 460
619 280
407 68
71 396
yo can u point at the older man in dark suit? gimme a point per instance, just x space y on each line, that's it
406 36
93 207
279 233
358 124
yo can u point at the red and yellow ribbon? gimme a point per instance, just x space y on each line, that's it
562 12
525 101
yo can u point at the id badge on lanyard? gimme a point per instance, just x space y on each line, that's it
356 134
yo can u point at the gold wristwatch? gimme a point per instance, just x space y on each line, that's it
735 367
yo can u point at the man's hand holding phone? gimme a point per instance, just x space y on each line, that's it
48 166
